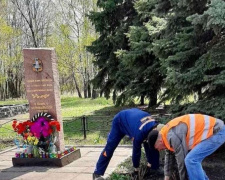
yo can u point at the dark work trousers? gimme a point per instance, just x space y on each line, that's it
114 139
152 156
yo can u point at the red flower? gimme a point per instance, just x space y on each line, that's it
21 127
29 123
50 131
55 124
58 127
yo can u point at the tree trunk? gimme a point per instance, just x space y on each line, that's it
94 93
1 92
19 88
76 86
199 94
85 90
153 99
114 97
89 90
142 100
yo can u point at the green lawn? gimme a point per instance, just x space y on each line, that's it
99 113
72 106
13 101
75 107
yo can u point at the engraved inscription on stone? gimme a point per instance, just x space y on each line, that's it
40 90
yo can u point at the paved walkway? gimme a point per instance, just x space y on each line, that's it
80 169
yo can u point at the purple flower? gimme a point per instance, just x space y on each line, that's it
40 127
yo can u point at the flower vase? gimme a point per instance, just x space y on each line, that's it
52 148
36 151
29 149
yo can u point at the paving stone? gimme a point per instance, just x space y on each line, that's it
18 169
60 176
21 175
87 176
10 153
83 163
121 153
68 169
89 169
93 154
32 175
6 163
44 169
4 158
80 169
11 175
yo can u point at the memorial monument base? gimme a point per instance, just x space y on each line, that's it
60 162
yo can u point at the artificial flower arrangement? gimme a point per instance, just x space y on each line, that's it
39 135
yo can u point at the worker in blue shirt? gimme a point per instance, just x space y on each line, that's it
136 124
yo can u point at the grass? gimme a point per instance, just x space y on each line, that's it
6 136
99 113
13 101
76 107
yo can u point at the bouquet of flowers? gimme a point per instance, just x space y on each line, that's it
39 133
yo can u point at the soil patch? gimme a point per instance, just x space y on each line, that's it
214 166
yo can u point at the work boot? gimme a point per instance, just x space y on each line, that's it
97 177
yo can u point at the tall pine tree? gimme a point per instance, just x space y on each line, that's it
146 78
111 23
124 54
191 54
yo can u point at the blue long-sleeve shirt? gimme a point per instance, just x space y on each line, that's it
134 124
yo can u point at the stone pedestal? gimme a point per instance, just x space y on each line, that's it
42 85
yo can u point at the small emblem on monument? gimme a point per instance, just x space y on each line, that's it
37 65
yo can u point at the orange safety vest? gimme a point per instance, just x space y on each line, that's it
200 127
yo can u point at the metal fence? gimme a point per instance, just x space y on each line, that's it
81 130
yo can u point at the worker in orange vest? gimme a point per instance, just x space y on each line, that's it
188 140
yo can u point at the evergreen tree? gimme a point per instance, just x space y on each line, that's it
124 54
144 67
111 23
173 44
191 54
